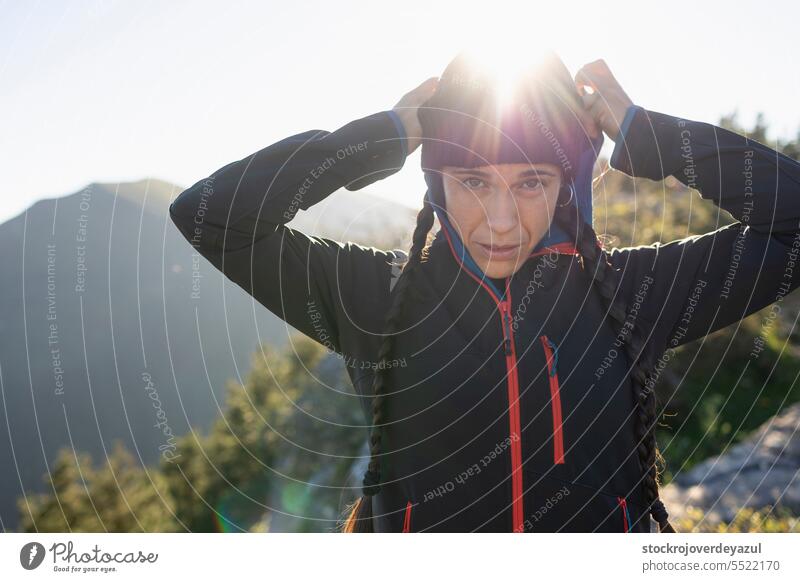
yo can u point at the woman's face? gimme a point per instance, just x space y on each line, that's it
502 211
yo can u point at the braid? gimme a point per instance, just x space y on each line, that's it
359 519
595 261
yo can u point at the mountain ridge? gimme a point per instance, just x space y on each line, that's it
98 295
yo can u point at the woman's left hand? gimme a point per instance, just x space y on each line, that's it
608 102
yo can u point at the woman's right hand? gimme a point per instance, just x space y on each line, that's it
406 110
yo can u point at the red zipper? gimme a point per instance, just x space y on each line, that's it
518 519
555 398
515 431
624 506
407 519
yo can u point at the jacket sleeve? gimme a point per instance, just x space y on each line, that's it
688 288
335 293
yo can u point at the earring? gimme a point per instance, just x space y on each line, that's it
571 195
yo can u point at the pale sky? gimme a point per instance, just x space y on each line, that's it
116 91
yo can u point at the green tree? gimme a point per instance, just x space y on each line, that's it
279 454
117 496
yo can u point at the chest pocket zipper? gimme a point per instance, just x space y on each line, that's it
407 519
551 354
626 517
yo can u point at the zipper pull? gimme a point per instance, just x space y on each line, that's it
506 334
554 349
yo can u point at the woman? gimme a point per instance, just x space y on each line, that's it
524 400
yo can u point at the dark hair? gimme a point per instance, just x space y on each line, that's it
595 261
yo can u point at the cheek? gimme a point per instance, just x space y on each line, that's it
537 215
464 210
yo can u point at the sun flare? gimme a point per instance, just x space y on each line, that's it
504 69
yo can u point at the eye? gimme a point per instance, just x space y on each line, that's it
533 184
472 182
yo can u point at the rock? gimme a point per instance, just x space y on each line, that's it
763 470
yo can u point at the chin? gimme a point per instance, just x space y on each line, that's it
499 270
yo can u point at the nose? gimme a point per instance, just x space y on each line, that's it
502 213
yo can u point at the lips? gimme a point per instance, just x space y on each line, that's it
499 251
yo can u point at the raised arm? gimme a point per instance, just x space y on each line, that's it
236 218
688 288
335 293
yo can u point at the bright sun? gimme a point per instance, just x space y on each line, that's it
511 38
507 61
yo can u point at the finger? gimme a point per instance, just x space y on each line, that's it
429 84
419 94
589 124
589 100
583 80
587 121
425 90
584 113
600 114
598 109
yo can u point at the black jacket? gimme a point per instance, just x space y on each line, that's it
509 411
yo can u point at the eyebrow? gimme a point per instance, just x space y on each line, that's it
485 174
